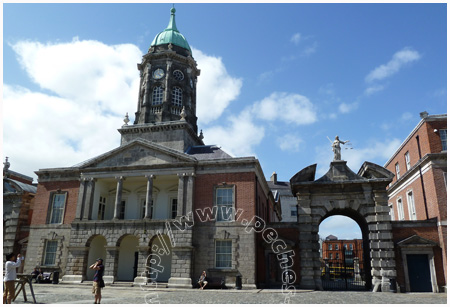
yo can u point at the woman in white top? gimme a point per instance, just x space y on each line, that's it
12 262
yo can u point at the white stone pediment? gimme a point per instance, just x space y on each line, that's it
140 152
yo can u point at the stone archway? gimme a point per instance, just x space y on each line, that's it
362 197
128 258
364 227
96 244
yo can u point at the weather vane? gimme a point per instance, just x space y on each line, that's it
336 147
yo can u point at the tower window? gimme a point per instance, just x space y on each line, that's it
177 97
157 95
178 75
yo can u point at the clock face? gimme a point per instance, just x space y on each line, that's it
158 74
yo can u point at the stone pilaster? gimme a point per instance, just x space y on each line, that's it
118 201
308 233
111 264
381 245
181 270
76 264
142 270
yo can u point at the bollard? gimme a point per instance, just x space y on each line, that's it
393 285
55 277
239 282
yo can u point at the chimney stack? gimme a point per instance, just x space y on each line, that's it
273 178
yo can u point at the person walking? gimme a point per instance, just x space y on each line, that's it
98 283
12 262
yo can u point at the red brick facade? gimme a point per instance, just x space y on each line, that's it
425 181
429 233
43 200
244 184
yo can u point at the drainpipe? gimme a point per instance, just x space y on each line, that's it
421 178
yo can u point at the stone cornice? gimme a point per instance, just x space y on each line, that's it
433 158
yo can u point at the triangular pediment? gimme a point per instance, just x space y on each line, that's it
416 240
139 152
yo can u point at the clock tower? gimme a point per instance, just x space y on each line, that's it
166 107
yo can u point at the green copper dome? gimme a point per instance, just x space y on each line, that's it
171 35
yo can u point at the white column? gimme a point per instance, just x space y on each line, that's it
190 193
80 201
149 196
89 198
181 194
118 196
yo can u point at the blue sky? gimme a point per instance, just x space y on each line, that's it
276 81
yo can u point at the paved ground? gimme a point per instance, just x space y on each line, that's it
80 294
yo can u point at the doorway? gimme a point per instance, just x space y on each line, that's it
419 273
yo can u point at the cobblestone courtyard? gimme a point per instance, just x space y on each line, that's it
80 294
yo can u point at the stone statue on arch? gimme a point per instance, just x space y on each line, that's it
336 147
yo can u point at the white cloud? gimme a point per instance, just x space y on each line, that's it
348 107
289 142
94 85
44 131
406 116
374 89
310 49
239 137
89 72
296 38
399 59
288 107
216 89
242 133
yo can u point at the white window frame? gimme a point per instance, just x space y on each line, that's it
171 208
231 205
400 209
391 211
101 208
230 255
443 141
122 209
331 256
336 247
411 205
47 252
177 96
397 170
142 203
294 209
407 160
61 210
157 95
351 246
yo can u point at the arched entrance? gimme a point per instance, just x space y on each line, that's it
345 259
160 260
96 250
363 198
128 258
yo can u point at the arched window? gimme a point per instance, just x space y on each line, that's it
177 97
157 95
